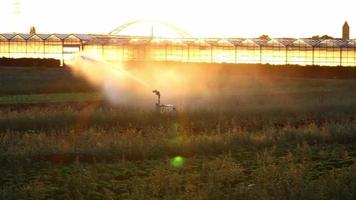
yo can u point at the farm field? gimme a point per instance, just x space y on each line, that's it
254 136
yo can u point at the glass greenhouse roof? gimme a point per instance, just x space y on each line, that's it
120 40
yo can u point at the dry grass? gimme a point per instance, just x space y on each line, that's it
295 139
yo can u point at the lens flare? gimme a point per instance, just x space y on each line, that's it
177 162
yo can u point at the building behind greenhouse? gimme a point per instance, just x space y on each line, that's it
109 47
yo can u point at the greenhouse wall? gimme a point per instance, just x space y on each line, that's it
330 52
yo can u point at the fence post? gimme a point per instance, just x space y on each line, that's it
286 55
211 53
62 52
340 56
44 48
26 47
313 56
8 47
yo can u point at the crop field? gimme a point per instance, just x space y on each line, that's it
254 136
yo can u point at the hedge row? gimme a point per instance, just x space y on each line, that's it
296 71
30 62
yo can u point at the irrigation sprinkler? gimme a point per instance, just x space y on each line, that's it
161 108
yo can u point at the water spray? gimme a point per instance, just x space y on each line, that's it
115 81
163 107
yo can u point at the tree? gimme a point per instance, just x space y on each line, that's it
32 30
264 37
324 37
316 37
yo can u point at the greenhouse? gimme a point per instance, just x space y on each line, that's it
279 51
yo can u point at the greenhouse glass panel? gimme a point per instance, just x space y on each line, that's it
53 47
4 47
35 47
18 47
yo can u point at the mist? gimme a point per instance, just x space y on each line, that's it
132 83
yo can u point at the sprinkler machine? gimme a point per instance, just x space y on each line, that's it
161 108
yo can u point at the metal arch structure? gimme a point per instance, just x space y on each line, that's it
178 30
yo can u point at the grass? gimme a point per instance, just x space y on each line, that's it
260 138
30 80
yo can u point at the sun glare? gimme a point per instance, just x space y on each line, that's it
228 18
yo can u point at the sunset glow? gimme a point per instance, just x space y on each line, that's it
225 18
178 99
199 31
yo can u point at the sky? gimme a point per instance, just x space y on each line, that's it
201 18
